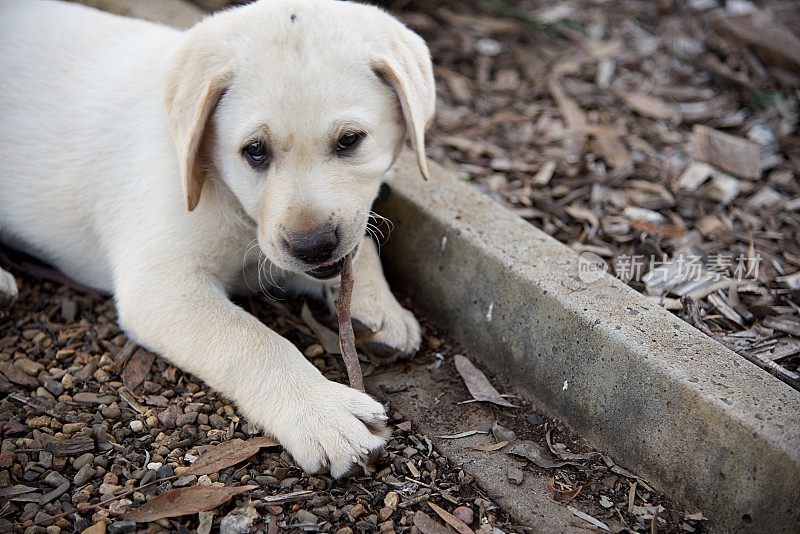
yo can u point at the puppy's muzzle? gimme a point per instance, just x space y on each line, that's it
316 247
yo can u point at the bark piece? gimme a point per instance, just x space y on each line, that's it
732 154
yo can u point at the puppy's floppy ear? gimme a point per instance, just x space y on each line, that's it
195 84
405 64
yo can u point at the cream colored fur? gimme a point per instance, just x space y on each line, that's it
121 163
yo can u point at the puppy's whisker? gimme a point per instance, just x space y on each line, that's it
377 241
376 231
272 277
385 220
245 270
266 291
259 273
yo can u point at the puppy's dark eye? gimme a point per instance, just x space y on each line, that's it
348 142
257 154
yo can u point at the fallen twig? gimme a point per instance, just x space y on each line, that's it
347 339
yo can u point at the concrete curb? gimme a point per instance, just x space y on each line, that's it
668 402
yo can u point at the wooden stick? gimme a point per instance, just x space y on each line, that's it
347 339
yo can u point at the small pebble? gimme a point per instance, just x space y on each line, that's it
165 471
535 420
488 47
185 481
515 475
391 500
54 479
356 511
28 366
148 477
71 428
83 475
46 459
306 517
186 419
111 411
289 482
465 514
137 426
266 480
84 459
314 351
121 527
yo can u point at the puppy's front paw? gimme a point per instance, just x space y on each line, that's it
389 332
8 290
332 427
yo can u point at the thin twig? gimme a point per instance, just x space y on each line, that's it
347 339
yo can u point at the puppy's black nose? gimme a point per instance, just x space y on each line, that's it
314 246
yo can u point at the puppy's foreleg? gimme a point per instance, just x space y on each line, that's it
190 321
8 289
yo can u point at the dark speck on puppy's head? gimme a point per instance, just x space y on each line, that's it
293 17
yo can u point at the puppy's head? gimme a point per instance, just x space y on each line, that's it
299 108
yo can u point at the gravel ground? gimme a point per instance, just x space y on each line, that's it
74 435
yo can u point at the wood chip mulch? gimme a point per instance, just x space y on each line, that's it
659 136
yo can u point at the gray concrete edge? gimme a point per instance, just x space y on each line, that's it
668 402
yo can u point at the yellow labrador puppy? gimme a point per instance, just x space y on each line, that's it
143 161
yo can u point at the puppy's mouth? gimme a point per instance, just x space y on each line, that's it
330 269
326 270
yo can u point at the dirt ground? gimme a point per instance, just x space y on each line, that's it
86 416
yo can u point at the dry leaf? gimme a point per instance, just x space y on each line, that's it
477 383
326 337
535 453
426 525
451 520
491 447
565 455
229 453
184 501
137 368
650 106
564 491
464 434
586 517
